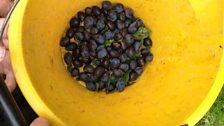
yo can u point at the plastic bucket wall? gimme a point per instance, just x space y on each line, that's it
178 87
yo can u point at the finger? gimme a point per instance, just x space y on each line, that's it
5 7
7 69
2 52
6 43
1 69
10 81
6 64
40 122
2 58
5 35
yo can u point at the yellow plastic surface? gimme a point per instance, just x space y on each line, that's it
177 88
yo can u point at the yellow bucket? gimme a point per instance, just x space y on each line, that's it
177 88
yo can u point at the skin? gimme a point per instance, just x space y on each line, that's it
5 6
5 64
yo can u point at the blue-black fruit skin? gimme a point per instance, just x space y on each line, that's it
100 25
108 35
149 58
91 86
101 85
84 77
129 13
68 58
118 72
74 22
105 77
120 85
124 67
99 38
137 46
81 15
102 53
93 28
107 5
75 72
114 63
119 8
133 64
64 41
88 22
147 42
138 70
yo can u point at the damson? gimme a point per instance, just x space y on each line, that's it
105 77
79 36
106 47
120 85
74 22
147 42
102 53
88 22
99 38
129 39
114 63
71 47
100 25
141 61
70 33
118 72
64 41
99 71
91 86
88 68
129 13
75 72
112 15
133 64
88 11
106 5
96 10
84 77
81 15
68 58
114 54
124 67
133 76
119 8
149 58
77 63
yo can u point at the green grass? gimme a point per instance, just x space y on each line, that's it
215 116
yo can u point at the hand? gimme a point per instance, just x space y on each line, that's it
5 6
5 65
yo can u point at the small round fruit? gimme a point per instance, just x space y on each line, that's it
75 72
64 41
91 86
120 85
107 5
74 22
68 58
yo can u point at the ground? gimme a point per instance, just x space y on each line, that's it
215 116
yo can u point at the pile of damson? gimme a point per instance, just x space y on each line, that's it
107 47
